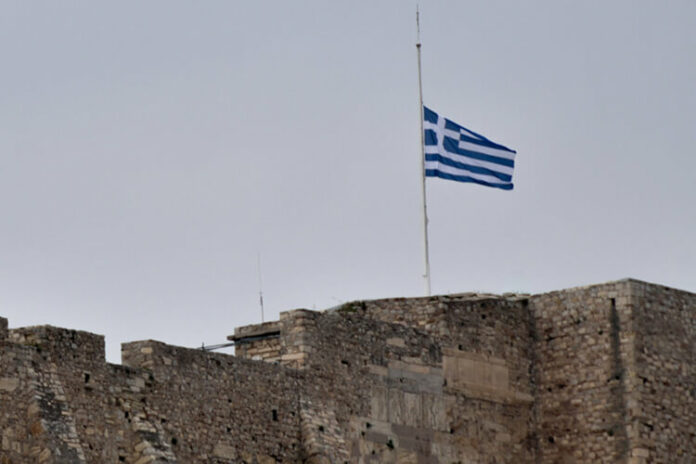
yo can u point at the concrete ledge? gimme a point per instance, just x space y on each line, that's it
255 330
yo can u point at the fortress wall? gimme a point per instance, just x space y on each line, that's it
213 407
595 374
70 364
665 380
63 403
92 409
22 437
486 325
384 392
585 366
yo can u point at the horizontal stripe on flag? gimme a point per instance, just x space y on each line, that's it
452 146
483 143
435 166
444 175
505 154
469 165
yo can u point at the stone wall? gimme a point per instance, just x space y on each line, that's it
61 402
22 430
347 361
249 410
664 410
616 373
70 364
449 381
489 325
584 356
594 374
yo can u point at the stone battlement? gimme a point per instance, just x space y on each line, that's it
601 373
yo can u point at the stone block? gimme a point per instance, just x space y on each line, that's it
224 451
395 341
472 371
379 405
8 384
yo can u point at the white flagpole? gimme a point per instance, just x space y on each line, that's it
426 256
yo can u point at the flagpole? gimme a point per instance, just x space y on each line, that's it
426 257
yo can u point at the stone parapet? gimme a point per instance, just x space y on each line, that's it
58 344
3 328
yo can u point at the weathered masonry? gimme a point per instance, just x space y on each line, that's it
605 373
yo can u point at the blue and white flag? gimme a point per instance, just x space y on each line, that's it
456 153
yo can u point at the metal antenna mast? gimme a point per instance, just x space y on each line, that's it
258 267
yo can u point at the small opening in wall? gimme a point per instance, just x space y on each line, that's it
86 377
174 441
275 415
552 440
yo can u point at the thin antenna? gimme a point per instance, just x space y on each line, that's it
417 27
258 267
426 255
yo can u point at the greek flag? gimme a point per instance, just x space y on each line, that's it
456 153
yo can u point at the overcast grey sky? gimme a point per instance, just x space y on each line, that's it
148 150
